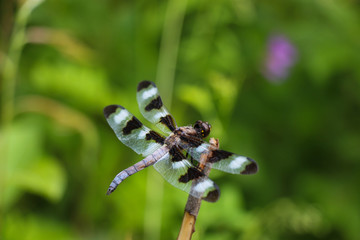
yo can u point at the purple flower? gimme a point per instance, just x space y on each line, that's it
281 56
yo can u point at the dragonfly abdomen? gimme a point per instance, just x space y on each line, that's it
146 162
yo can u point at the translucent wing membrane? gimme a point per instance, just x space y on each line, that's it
223 160
131 131
152 108
183 175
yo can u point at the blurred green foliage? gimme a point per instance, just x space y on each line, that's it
61 62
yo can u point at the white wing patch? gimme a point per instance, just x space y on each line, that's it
237 162
149 93
179 164
121 116
159 115
203 186
142 134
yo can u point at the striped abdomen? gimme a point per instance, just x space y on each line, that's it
146 162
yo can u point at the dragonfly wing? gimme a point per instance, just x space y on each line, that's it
180 173
223 160
131 131
152 107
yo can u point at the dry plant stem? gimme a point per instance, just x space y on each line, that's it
193 204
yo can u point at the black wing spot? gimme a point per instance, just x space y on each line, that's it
108 110
176 154
154 104
214 195
218 155
191 174
144 84
251 168
152 135
168 121
132 124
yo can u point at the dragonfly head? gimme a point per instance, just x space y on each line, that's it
202 128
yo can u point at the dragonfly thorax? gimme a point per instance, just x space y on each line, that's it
177 137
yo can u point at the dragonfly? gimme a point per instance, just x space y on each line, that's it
168 153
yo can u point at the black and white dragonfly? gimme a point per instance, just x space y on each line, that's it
167 153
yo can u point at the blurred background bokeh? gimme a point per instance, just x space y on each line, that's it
278 80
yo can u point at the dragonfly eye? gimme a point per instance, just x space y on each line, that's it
202 128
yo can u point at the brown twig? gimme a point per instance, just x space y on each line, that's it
193 204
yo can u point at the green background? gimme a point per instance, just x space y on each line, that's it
63 61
